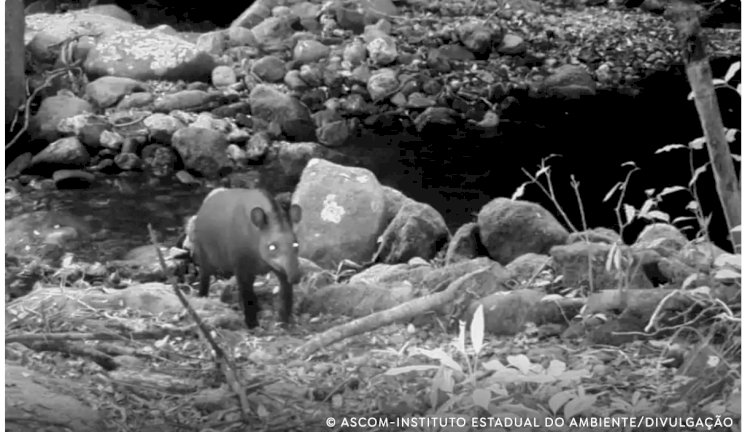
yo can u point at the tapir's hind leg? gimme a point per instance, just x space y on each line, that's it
248 300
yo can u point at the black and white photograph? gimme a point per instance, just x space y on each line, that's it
373 215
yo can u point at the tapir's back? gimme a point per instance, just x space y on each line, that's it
224 233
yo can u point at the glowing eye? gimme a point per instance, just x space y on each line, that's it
295 245
272 247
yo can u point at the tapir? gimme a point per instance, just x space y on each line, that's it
246 232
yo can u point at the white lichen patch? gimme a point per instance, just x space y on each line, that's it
161 51
363 178
332 211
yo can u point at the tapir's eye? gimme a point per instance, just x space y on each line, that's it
295 245
272 247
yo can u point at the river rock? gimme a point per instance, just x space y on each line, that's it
271 105
383 50
269 68
107 91
72 179
18 165
569 82
528 266
310 51
223 76
343 212
382 84
336 133
160 160
213 42
182 100
254 15
44 124
128 161
509 228
465 244
111 10
512 45
418 230
572 262
477 38
202 150
65 152
274 34
161 127
355 52
135 100
661 237
66 26
146 54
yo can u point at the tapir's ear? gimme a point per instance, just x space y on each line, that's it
258 217
295 213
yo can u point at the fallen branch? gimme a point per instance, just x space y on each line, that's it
229 369
155 381
53 337
381 318
77 349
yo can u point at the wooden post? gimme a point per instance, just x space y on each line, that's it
684 15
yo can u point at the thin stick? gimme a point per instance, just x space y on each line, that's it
229 369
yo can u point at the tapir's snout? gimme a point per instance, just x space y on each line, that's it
293 273
289 267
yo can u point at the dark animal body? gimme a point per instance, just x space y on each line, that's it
246 232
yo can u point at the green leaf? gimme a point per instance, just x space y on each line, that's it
559 399
442 356
578 405
541 171
718 82
481 398
556 367
731 135
701 169
646 206
658 215
519 191
477 329
739 89
520 362
698 143
612 191
670 147
736 157
727 274
629 213
407 369
671 189
732 71
494 365
727 259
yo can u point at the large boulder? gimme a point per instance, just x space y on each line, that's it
148 55
343 213
509 228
